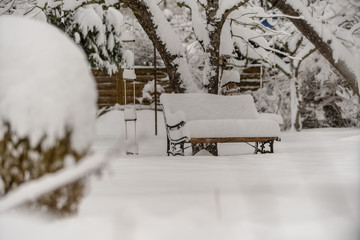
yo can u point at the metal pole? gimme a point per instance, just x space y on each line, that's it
125 91
261 82
134 91
155 83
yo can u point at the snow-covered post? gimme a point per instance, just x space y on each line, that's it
155 92
130 115
47 108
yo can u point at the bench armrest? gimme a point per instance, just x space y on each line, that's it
175 119
176 126
174 123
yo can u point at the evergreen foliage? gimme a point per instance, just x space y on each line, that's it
101 41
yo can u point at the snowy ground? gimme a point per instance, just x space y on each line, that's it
308 189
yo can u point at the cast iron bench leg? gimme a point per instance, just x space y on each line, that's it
210 147
256 148
271 146
176 149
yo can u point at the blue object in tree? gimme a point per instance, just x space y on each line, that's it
270 23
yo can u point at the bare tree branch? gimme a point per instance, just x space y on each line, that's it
323 47
6 7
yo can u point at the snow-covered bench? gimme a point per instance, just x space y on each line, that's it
206 119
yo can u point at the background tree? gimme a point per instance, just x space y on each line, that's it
326 99
315 27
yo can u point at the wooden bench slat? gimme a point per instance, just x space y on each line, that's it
225 140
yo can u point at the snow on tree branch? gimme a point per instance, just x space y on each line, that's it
227 6
339 50
164 30
5 6
339 56
166 41
197 22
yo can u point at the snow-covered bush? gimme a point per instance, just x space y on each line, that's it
47 108
148 92
326 100
274 96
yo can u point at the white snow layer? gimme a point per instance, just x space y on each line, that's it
127 36
308 189
71 4
164 30
225 128
273 116
129 74
173 45
202 105
88 19
230 76
114 18
197 22
129 114
45 84
210 115
129 59
226 5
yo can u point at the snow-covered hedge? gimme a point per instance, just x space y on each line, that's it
47 107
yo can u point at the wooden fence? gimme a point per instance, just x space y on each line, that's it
250 79
111 89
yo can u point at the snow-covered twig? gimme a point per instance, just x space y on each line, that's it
7 7
278 15
281 52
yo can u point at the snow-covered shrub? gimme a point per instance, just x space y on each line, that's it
148 92
326 100
274 96
47 108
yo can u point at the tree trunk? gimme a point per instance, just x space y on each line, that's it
145 18
213 50
323 47
213 68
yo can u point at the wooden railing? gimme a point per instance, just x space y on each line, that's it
111 88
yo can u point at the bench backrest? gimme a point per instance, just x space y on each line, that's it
198 106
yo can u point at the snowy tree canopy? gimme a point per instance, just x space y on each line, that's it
211 27
209 19
222 27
